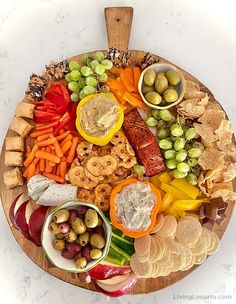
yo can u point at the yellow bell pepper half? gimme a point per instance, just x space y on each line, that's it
187 188
99 141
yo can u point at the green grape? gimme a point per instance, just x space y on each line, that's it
74 65
163 133
82 94
91 81
165 144
165 115
171 164
75 75
93 64
160 124
81 83
172 120
181 155
73 86
107 64
151 122
188 146
176 130
105 89
99 69
179 144
103 77
190 133
140 170
169 154
196 170
183 167
194 152
99 56
192 162
156 114
85 59
173 138
192 179
177 174
181 121
68 77
86 71
198 145
88 90
74 97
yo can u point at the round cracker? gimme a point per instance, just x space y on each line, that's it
200 246
207 237
178 260
190 265
162 247
200 258
142 245
153 250
215 243
143 258
188 258
159 223
172 245
140 269
169 226
188 230
159 271
165 259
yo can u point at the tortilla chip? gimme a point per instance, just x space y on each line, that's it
210 159
230 173
213 105
194 94
192 86
225 194
205 132
212 118
224 127
202 184
214 174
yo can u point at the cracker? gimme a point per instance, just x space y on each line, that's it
142 245
188 230
169 226
200 258
215 243
159 223
141 269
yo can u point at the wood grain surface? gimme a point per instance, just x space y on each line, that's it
115 38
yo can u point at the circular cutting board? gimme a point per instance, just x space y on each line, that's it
118 23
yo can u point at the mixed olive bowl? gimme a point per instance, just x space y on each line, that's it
55 256
163 67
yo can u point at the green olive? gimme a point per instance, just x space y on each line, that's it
95 254
61 216
160 74
153 97
97 241
170 95
100 221
173 77
60 236
71 236
78 225
91 218
161 84
84 239
53 227
146 89
149 77
81 263
59 244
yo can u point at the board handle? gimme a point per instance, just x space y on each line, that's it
118 24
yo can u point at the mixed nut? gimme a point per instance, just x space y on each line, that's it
79 234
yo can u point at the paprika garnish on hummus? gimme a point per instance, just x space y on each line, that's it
99 116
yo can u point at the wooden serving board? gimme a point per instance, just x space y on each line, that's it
118 22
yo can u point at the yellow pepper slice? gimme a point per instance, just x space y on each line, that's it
100 141
174 191
164 177
166 201
183 185
187 204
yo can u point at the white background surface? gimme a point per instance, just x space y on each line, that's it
198 35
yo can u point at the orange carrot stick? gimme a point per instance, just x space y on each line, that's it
63 168
41 165
62 131
134 102
57 147
37 169
72 150
58 179
43 137
127 83
42 132
68 137
66 146
28 150
54 171
58 170
47 142
137 74
62 136
48 156
31 171
25 173
30 158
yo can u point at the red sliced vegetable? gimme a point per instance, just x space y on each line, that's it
103 271
62 122
56 98
20 219
36 222
11 211
65 92
71 124
41 127
41 116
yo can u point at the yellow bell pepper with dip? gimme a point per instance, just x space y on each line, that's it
99 117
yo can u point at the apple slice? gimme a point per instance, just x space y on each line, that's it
106 271
12 210
36 222
115 280
118 289
20 220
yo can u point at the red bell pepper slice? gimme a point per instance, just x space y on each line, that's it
56 98
55 88
41 116
40 127
71 124
65 92
62 122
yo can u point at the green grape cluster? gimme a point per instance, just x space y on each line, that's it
86 80
178 143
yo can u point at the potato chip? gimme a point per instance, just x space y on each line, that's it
169 226
215 243
188 230
212 118
224 127
210 158
230 173
159 223
200 258
191 86
191 108
142 245
205 132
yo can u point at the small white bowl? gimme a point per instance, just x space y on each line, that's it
55 256
163 67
